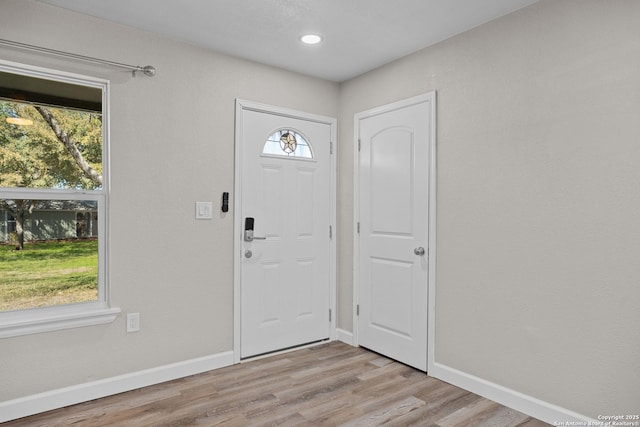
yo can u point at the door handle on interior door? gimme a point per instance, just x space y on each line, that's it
419 251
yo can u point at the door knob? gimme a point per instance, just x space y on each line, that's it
419 251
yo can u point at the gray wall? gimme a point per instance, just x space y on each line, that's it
172 144
538 199
538 178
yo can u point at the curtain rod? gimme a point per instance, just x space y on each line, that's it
147 70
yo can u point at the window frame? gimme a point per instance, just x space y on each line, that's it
52 318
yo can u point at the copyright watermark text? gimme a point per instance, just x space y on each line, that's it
605 420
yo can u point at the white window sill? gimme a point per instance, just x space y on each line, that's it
25 322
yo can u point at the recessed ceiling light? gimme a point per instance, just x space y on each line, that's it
311 39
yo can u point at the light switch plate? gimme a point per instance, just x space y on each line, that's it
204 210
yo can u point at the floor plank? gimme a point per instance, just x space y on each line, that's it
328 385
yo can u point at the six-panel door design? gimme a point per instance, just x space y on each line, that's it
286 201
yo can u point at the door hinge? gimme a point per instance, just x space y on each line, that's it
330 232
359 144
358 227
358 310
329 315
330 147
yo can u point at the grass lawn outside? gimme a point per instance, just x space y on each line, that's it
48 273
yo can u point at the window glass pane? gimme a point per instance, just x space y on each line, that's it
59 260
49 147
51 189
287 143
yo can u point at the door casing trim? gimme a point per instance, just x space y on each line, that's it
429 97
242 105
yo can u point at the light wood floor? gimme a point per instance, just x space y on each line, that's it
328 385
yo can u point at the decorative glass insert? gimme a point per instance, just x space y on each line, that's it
287 143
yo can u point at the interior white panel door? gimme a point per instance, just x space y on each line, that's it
285 270
394 224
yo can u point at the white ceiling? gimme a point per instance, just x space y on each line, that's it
359 35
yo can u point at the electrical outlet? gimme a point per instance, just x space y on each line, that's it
133 322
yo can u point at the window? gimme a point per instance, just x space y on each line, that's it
53 200
287 143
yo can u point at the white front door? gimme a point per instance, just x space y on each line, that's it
393 240
284 230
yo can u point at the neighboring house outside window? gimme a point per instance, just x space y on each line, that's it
53 220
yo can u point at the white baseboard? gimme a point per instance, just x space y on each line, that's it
41 402
531 406
344 336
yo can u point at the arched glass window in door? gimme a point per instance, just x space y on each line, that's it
287 143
